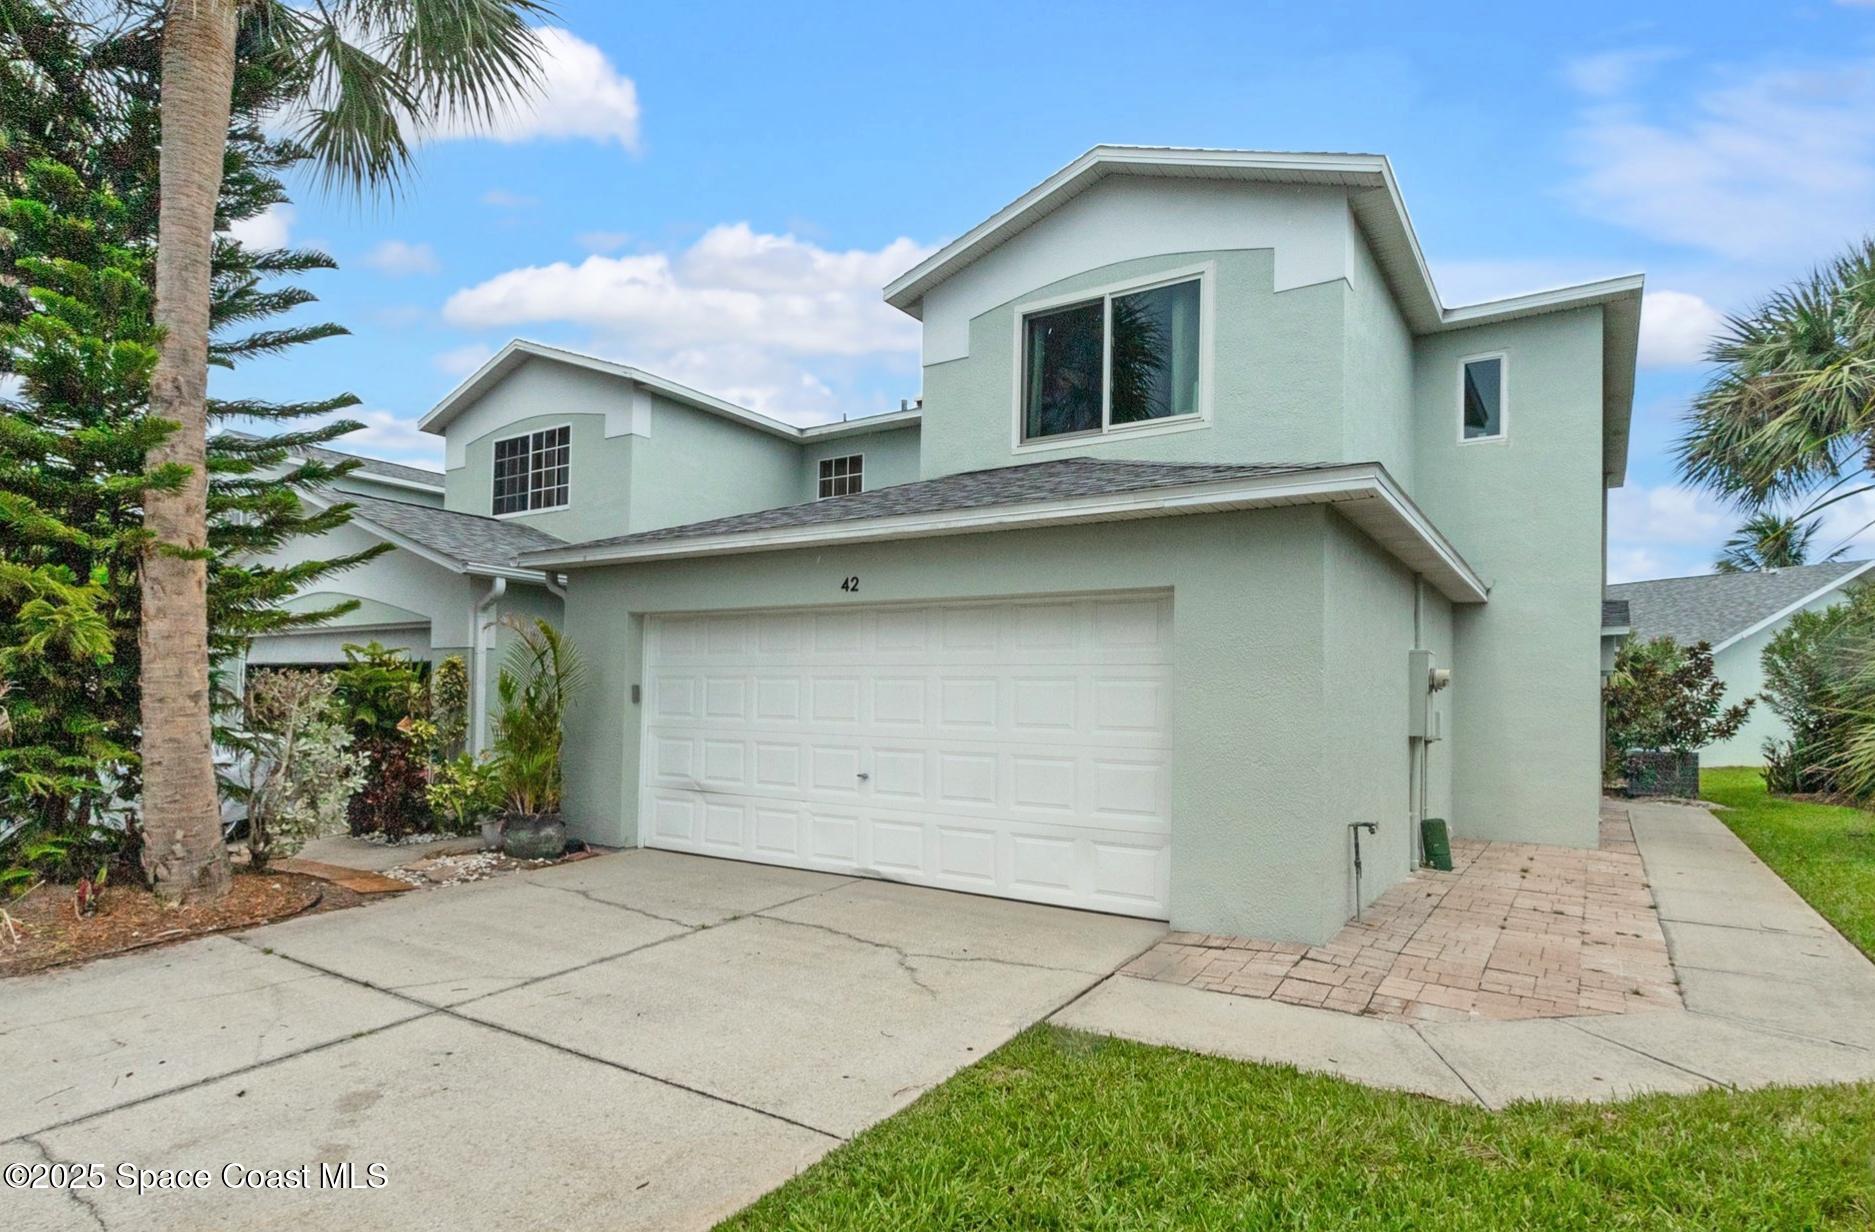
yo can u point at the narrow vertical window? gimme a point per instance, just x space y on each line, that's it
842 476
1482 398
532 471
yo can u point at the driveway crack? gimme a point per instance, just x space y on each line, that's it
590 897
76 1195
903 955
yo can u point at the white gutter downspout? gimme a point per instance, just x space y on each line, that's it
478 688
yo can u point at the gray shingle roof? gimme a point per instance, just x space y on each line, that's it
1715 607
376 466
466 538
1008 485
1614 613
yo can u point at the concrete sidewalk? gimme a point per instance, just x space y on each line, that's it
1773 995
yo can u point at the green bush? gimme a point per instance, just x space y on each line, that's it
385 703
449 706
1819 678
1666 697
299 771
464 791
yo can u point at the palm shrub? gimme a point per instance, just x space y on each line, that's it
299 769
541 674
1819 678
1664 697
384 701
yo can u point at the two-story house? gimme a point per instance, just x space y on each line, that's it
1218 535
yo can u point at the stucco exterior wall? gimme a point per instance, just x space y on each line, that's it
1526 717
1377 424
891 458
1368 613
695 465
1741 667
1255 852
1277 375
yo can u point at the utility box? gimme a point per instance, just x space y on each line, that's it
1420 724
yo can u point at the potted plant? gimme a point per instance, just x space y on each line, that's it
541 674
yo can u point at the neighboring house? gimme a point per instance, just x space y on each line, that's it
1737 614
1138 614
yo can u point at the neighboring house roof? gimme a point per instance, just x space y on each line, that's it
1383 219
1614 614
1065 490
521 350
393 472
421 476
1722 608
461 542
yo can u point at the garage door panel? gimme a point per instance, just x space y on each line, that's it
1015 748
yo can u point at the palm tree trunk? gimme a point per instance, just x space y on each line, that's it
183 851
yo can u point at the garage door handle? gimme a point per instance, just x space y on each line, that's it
863 776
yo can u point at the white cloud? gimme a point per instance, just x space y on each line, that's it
502 199
269 229
398 258
1675 328
602 241
1608 73
392 437
1635 564
463 360
580 96
741 313
1776 165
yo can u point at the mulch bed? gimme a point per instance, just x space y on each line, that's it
51 934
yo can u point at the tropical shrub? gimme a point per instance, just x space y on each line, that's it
299 769
465 791
383 700
542 673
449 706
1665 697
1819 678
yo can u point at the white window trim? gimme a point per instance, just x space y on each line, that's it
819 462
1503 398
1206 275
520 436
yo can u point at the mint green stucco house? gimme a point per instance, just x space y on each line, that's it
1141 609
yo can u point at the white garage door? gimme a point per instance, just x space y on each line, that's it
1012 748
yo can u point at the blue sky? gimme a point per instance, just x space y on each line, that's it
718 191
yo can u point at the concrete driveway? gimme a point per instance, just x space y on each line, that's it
643 1040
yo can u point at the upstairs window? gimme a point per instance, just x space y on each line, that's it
842 476
1118 360
531 471
1481 398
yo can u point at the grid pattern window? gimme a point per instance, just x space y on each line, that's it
1483 407
1124 358
842 476
531 470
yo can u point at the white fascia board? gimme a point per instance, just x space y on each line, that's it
870 423
536 576
375 626
522 349
1370 497
1554 299
1782 613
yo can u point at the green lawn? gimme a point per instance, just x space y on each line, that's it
1826 853
1060 1130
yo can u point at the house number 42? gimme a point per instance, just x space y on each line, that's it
850 585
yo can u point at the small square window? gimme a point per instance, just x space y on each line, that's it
841 476
531 471
1481 405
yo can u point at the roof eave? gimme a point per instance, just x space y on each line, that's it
1364 493
1836 583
